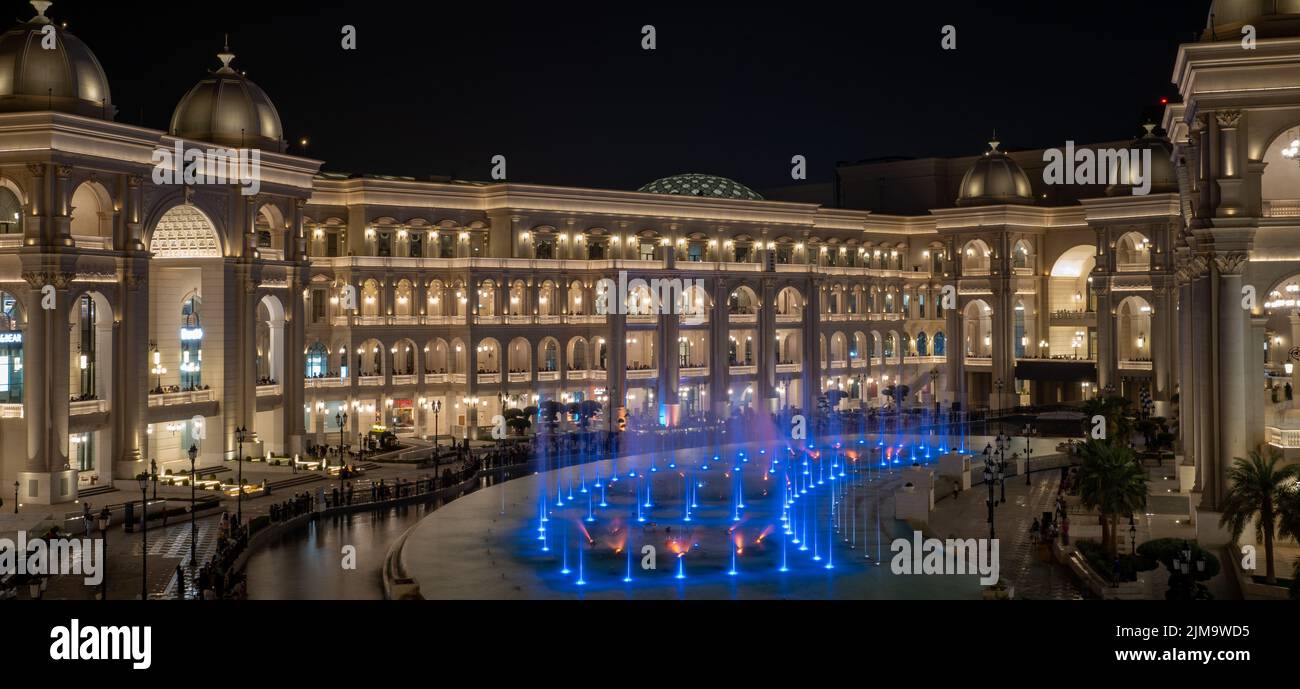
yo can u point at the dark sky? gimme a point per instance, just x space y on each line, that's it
566 93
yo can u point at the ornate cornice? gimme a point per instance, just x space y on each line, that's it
40 278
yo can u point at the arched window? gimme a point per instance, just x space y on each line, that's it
318 364
940 344
11 351
921 345
191 345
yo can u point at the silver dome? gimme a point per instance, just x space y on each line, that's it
995 179
228 109
66 78
1271 19
695 184
1164 178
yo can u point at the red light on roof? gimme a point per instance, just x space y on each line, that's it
1164 101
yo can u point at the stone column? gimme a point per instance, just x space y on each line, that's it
1231 339
47 477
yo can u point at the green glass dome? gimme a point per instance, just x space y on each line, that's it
701 185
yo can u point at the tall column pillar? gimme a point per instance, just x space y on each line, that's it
47 477
767 348
1231 338
719 330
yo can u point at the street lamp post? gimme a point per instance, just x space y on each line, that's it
341 418
1029 451
1002 441
104 517
990 474
143 480
437 407
194 533
241 434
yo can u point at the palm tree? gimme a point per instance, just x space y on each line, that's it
1288 525
1116 410
1111 482
1258 487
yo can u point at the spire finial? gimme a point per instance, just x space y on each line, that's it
994 143
41 6
226 56
1150 127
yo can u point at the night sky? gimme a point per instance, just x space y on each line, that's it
566 93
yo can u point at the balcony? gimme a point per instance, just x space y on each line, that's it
578 375
435 378
405 320
80 407
329 382
548 320
789 368
742 318
643 374
370 320
519 377
743 370
489 378
858 363
642 320
168 399
1130 365
839 363
404 380
269 390
789 318
11 411
547 376
693 371
458 378
837 317
1284 438
519 320
487 320
370 381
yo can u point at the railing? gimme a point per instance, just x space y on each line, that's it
693 371
642 374
1283 437
405 320
11 411
487 320
519 320
1280 208
548 320
330 382
643 320
858 363
979 361
404 380
84 407
488 378
578 375
547 376
1128 365
789 368
520 377
168 399
742 318
743 370
268 390
435 378
458 378
370 320
370 381
789 318
839 363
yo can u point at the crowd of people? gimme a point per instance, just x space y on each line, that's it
218 580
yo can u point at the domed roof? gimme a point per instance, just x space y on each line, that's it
1164 178
66 77
693 184
227 108
1271 19
995 179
